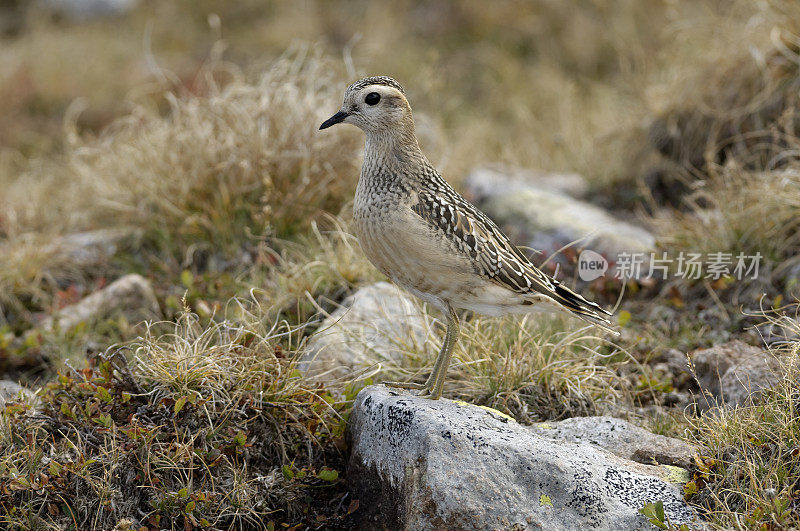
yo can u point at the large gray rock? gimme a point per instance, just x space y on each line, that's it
733 373
131 296
423 464
379 323
544 217
620 438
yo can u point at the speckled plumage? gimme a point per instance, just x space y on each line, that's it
427 238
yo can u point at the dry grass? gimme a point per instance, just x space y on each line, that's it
230 184
749 472
732 147
209 426
205 182
536 368
739 211
323 265
539 367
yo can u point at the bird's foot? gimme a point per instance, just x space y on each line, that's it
432 394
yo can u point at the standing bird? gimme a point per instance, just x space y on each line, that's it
423 235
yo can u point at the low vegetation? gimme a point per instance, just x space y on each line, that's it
748 472
206 426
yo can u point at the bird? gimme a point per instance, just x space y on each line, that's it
424 236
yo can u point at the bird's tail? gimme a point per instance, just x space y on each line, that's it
584 309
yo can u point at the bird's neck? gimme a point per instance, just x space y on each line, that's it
394 153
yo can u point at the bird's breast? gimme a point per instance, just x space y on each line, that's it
411 253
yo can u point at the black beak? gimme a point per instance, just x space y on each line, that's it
333 120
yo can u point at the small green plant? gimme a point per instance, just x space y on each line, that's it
654 512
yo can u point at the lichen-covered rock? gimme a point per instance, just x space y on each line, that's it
423 464
620 438
730 373
378 323
542 215
130 296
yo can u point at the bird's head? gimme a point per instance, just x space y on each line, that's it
376 105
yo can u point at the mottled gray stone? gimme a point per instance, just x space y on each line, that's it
378 323
131 296
421 464
620 438
731 373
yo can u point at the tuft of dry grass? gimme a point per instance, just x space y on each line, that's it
204 182
209 426
323 265
539 367
740 211
748 475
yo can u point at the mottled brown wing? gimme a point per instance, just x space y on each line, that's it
492 253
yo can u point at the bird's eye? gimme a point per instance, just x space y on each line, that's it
372 98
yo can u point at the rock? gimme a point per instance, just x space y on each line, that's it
493 180
620 438
544 217
132 296
90 248
730 373
422 464
88 9
12 391
378 323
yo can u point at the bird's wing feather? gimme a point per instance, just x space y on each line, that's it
493 254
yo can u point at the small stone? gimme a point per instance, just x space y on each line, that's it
90 248
733 373
131 296
88 9
378 323
12 391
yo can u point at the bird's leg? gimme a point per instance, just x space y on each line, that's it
435 383
440 365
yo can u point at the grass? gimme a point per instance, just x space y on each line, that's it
238 170
207 427
538 368
749 472
316 270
